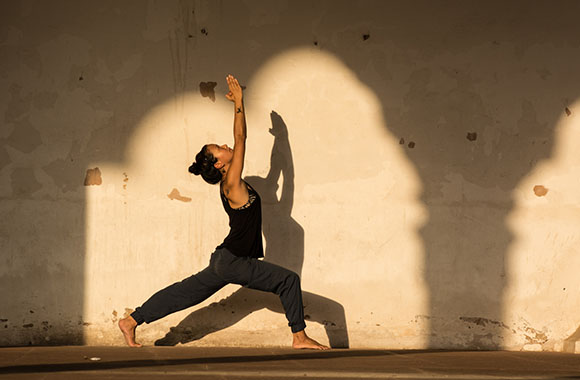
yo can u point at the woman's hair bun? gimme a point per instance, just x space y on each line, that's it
195 168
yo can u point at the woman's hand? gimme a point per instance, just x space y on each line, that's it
235 93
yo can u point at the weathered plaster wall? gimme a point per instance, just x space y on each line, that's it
417 164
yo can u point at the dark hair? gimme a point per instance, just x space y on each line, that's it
204 165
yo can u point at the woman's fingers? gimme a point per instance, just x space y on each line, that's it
232 82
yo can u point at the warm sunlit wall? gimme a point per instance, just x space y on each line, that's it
407 231
346 167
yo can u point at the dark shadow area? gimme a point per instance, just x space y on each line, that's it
304 355
284 246
471 143
571 341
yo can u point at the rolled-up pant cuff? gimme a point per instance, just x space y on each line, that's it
136 315
298 327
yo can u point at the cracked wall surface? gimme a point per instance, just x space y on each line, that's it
417 164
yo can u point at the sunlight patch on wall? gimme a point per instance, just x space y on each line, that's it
546 224
356 197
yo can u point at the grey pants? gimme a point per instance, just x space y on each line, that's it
226 268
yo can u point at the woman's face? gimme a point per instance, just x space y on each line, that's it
222 153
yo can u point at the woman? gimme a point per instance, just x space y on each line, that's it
236 259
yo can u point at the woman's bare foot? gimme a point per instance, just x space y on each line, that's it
128 326
301 341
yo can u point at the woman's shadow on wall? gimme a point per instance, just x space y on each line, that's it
284 246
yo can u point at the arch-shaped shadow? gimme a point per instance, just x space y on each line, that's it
466 238
284 246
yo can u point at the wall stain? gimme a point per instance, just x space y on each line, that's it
207 90
174 195
568 112
411 144
534 336
93 177
479 321
125 179
472 136
540 190
114 318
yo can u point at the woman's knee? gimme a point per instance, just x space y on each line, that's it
292 279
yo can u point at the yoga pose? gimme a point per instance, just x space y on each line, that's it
236 260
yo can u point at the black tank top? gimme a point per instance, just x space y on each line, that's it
245 237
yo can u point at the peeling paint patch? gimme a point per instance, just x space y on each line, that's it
114 318
207 90
4 156
24 182
568 112
174 195
93 177
24 137
472 136
534 336
483 322
540 190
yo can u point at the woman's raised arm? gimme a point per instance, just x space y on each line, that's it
236 193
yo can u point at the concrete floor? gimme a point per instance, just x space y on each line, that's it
279 363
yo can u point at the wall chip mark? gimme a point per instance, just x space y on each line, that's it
402 141
472 136
411 144
126 179
568 112
93 177
366 36
207 90
174 195
28 325
479 321
3 320
540 190
204 31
